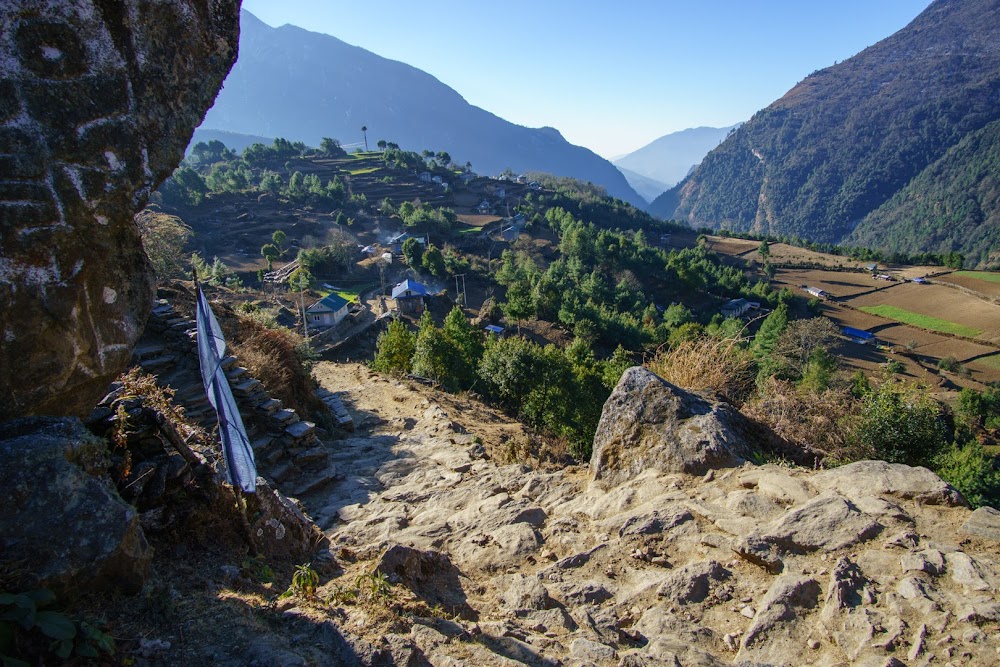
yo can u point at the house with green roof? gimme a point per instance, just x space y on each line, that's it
328 311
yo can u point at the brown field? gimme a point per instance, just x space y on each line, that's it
930 347
728 246
839 284
984 287
782 253
476 220
941 302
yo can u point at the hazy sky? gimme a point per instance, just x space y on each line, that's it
611 75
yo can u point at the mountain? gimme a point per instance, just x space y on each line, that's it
648 188
301 85
671 157
820 161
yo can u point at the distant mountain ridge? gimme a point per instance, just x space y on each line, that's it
669 159
820 161
303 86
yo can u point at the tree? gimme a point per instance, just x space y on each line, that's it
331 147
270 252
467 347
433 354
901 423
270 181
364 130
413 252
764 250
381 144
520 302
394 349
770 330
433 261
278 238
185 186
444 158
163 238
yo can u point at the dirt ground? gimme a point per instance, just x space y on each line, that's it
941 302
984 287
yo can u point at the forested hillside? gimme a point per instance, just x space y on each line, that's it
846 139
303 86
953 204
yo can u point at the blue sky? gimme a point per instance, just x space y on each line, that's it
612 75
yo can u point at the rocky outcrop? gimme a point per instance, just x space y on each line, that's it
649 424
61 516
868 564
98 100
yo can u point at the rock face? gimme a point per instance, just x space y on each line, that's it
48 493
649 424
97 101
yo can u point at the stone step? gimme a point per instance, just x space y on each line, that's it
282 472
228 362
261 444
311 456
300 430
236 373
346 423
148 351
269 406
157 364
285 416
246 387
316 481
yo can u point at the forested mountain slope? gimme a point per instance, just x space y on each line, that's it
846 139
292 83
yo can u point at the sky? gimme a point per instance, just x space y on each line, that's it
610 75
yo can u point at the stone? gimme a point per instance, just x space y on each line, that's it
973 574
430 575
525 592
279 528
106 110
787 598
984 522
68 522
649 424
584 649
692 583
828 522
875 478
657 521
930 561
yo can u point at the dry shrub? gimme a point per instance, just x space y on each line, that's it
721 366
808 420
271 356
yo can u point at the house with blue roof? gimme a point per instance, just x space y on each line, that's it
409 296
328 311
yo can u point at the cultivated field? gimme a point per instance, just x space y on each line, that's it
942 303
987 284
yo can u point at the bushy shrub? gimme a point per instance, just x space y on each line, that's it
972 471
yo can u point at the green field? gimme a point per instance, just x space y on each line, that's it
922 321
349 293
992 361
988 276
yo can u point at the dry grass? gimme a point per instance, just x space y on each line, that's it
808 420
721 366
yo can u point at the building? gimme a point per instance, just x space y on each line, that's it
409 296
858 335
494 329
735 308
485 208
817 292
328 311
396 242
467 177
425 176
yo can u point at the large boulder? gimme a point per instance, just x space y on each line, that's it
648 423
97 102
62 525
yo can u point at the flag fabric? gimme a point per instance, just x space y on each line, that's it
241 470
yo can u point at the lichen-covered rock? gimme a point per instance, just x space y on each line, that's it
279 528
98 100
70 526
649 424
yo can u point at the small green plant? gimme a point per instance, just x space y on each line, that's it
25 626
375 586
894 367
304 582
257 569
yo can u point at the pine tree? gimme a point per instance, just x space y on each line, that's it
394 349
